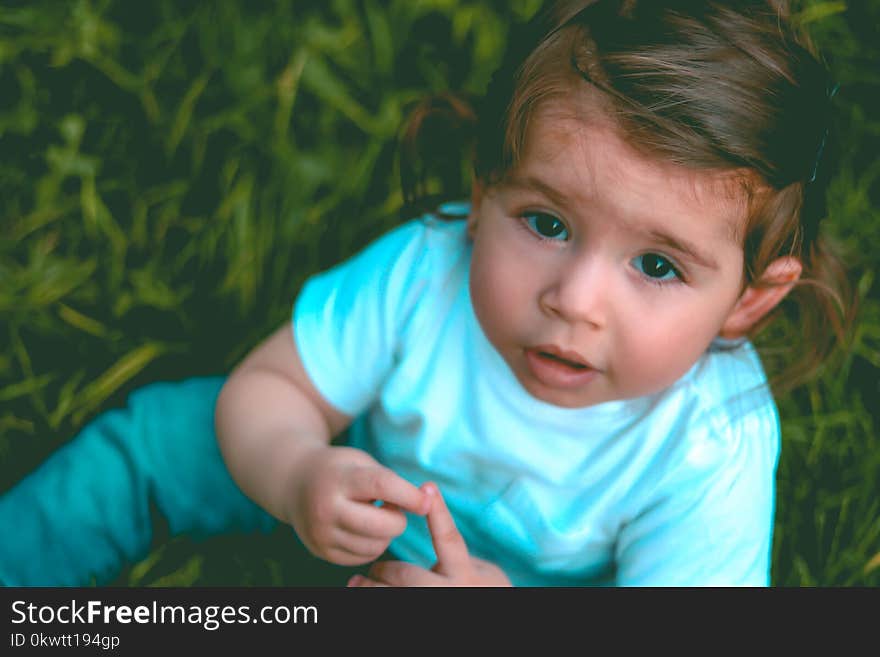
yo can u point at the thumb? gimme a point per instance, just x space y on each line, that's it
452 552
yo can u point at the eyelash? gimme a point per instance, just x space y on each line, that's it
662 282
524 222
659 282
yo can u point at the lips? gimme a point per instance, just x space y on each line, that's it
565 361
559 368
570 358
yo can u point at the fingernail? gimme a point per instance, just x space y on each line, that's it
431 492
355 580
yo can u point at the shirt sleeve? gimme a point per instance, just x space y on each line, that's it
348 319
710 522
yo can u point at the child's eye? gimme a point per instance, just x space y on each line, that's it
656 267
546 226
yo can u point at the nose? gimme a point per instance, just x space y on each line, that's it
577 292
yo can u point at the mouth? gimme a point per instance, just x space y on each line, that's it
563 357
557 368
563 361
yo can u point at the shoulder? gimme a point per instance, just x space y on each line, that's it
732 429
399 259
734 394
433 254
707 517
375 298
429 241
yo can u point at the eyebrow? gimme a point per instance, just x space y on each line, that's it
687 250
530 183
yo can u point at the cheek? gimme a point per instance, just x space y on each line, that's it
656 352
497 291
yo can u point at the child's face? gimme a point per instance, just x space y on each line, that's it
599 274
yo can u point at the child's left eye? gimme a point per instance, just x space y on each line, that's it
656 267
546 226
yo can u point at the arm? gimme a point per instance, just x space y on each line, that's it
274 430
269 417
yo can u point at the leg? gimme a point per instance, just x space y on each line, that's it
89 509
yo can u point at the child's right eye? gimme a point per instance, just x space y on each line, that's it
546 226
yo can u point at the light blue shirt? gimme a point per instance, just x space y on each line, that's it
672 489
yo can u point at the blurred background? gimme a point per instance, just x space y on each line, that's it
172 170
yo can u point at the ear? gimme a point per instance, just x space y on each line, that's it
756 301
476 199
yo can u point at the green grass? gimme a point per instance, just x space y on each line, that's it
171 172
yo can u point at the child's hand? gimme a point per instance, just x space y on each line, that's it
333 509
454 567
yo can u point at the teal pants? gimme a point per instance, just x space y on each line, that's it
93 506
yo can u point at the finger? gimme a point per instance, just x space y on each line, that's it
370 521
400 573
380 483
452 552
359 581
359 546
342 557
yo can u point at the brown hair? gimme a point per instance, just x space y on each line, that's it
719 86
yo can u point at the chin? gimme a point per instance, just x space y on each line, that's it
560 398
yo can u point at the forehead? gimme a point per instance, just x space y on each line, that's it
581 154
